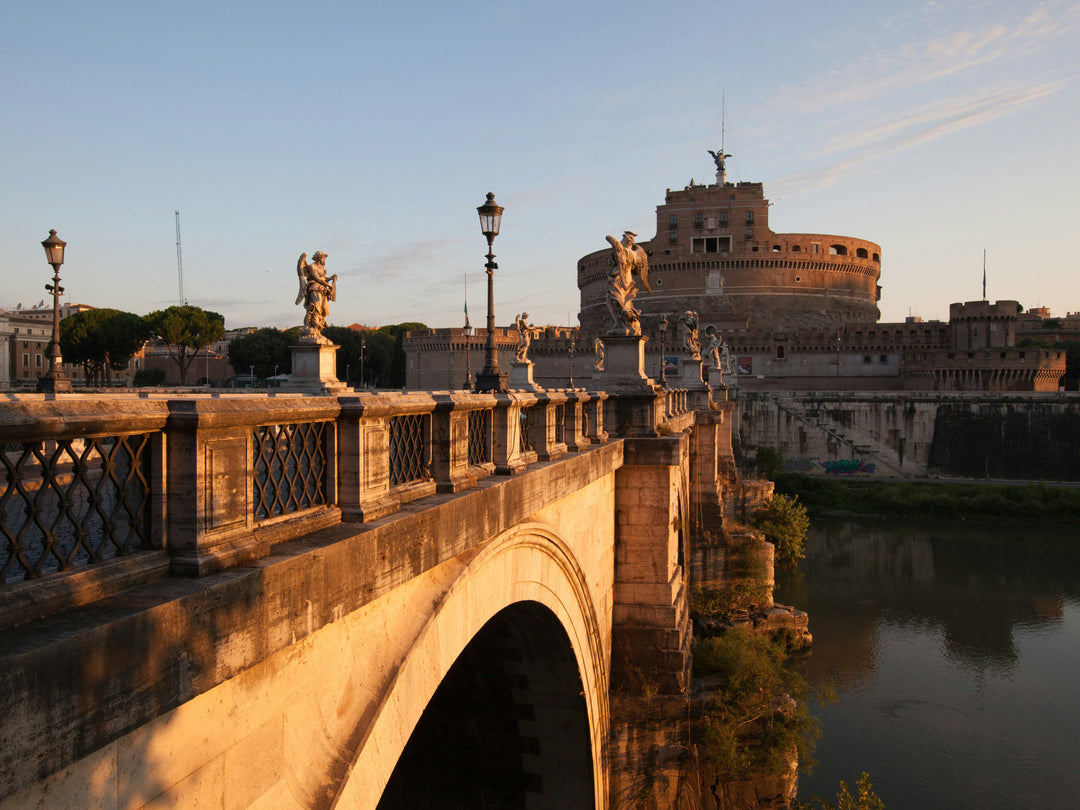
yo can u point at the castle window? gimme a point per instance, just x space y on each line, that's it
780 351
837 250
884 358
698 220
867 358
674 221
749 233
674 236
723 219
775 248
749 217
796 249
862 254
815 247
710 244
877 258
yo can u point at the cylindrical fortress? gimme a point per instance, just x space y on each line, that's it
714 253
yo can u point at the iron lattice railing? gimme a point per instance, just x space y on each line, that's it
410 456
289 468
525 445
73 502
560 416
480 436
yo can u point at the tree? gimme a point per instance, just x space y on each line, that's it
378 353
100 339
265 349
186 329
784 523
397 367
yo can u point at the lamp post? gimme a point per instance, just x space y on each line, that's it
54 380
363 345
571 359
490 378
663 333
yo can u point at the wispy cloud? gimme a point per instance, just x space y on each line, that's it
920 61
918 127
407 260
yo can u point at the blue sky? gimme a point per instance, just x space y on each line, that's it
372 131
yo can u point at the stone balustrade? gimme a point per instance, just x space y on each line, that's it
102 493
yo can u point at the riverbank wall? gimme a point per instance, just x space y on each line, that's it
912 435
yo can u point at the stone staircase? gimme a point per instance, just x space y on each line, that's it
864 445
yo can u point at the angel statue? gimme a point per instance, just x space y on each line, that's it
692 343
598 347
525 335
316 291
628 260
716 344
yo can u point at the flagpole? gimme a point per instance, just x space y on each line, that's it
468 339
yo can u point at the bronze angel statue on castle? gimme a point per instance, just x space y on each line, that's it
627 260
316 292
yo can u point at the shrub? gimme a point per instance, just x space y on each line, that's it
149 377
784 523
758 715
770 462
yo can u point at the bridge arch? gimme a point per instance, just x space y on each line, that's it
526 593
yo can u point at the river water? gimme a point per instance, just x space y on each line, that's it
954 649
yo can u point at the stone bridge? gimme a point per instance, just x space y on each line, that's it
360 601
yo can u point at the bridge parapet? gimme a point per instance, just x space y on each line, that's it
100 493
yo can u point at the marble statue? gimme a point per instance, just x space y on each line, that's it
627 260
316 293
692 343
525 335
716 344
598 347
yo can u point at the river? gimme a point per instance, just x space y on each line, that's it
954 649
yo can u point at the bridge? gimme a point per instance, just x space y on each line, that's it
356 601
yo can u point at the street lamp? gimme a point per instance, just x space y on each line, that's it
571 353
363 345
490 378
663 334
55 380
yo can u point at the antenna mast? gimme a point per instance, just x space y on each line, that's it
179 259
984 274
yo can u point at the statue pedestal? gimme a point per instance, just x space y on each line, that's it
314 369
521 376
624 364
691 374
717 384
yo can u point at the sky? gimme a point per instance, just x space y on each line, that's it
372 131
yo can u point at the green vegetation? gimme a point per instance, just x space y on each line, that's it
722 604
149 377
770 462
264 350
186 329
864 799
1034 503
101 339
784 523
758 717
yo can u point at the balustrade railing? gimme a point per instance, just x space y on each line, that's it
290 468
71 502
209 482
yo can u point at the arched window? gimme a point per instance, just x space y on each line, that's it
877 258
838 250
796 249
862 254
775 248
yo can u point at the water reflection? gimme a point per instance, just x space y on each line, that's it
952 647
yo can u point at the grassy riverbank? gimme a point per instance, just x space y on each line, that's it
1028 503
